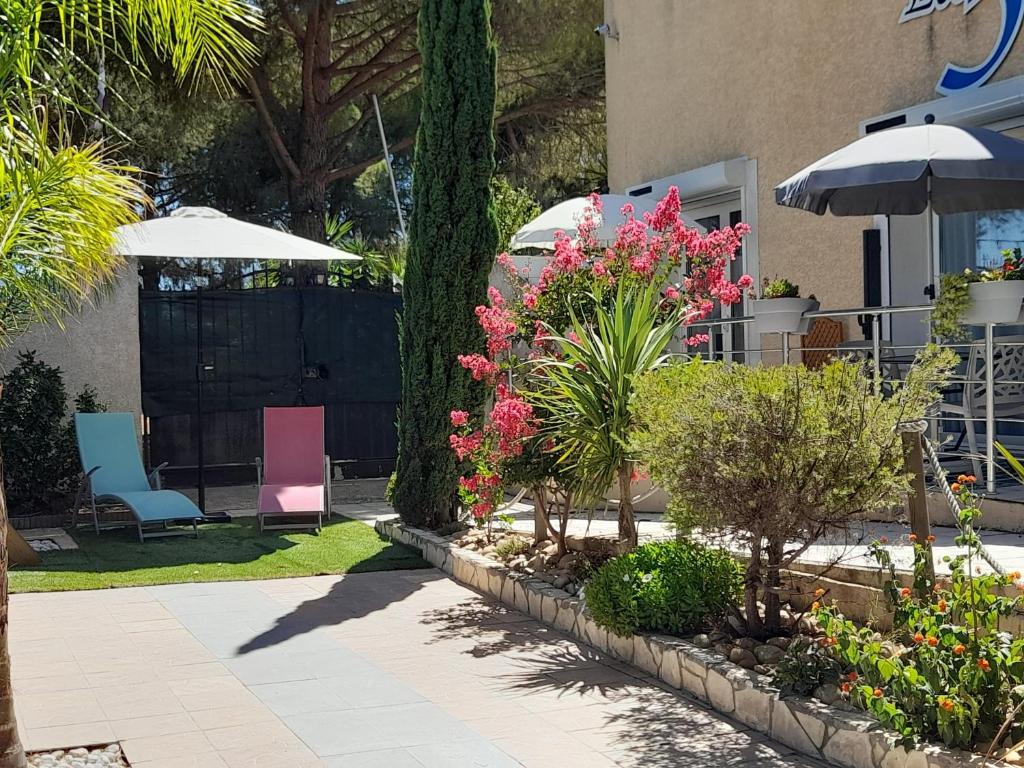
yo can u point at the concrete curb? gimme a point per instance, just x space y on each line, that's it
849 739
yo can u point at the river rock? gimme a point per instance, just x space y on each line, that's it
743 658
769 654
827 693
701 641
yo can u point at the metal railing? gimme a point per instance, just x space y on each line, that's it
888 360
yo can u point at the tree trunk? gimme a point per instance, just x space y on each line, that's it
12 754
751 587
540 513
773 580
627 519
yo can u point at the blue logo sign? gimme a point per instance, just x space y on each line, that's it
956 78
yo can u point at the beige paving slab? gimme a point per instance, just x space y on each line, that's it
420 671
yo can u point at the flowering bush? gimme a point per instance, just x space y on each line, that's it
667 586
949 671
645 263
777 457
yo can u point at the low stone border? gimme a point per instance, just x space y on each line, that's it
850 739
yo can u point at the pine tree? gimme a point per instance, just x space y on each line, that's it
452 243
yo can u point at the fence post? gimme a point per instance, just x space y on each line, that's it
917 499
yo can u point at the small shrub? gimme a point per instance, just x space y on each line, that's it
777 456
511 546
40 454
672 586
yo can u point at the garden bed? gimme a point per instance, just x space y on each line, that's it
847 738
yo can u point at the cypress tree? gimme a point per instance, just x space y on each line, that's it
452 243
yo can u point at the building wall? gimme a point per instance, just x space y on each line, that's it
692 82
99 346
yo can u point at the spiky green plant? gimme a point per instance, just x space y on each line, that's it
586 390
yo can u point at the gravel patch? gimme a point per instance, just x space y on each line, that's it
80 757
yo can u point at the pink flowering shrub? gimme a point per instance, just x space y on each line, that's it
690 272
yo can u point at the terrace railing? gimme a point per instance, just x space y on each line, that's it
987 391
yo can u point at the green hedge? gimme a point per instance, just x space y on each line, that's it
673 587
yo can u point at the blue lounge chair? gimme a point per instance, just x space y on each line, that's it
114 474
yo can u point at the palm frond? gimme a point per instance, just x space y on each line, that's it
59 208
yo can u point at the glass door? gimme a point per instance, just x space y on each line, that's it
728 342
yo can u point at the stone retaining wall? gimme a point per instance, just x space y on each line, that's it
849 739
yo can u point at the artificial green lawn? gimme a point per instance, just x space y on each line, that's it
223 552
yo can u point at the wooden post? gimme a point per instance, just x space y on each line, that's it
917 500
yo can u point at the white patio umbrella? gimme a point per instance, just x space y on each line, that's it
208 234
540 233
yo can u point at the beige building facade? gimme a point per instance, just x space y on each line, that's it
97 347
728 98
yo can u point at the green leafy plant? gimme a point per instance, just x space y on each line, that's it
668 586
952 303
511 546
779 288
806 666
949 671
778 456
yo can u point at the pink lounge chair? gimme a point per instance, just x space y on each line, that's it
294 473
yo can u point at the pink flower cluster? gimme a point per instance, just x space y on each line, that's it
498 323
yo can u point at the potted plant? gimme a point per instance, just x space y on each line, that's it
780 308
974 298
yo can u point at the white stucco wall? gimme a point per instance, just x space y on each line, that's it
98 346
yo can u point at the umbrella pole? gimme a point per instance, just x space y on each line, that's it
200 473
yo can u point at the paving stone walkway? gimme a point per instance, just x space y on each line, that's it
380 670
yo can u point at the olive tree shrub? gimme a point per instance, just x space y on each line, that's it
777 457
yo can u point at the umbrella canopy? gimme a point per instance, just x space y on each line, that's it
540 233
206 233
901 170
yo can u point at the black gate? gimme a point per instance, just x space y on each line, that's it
335 347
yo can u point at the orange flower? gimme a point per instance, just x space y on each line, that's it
955 487
983 665
931 538
933 641
941 606
972 479
815 605
1015 575
877 693
913 538
852 677
918 638
819 592
845 687
959 648
905 592
946 704
961 478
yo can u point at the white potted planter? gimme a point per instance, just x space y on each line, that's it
998 301
783 315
